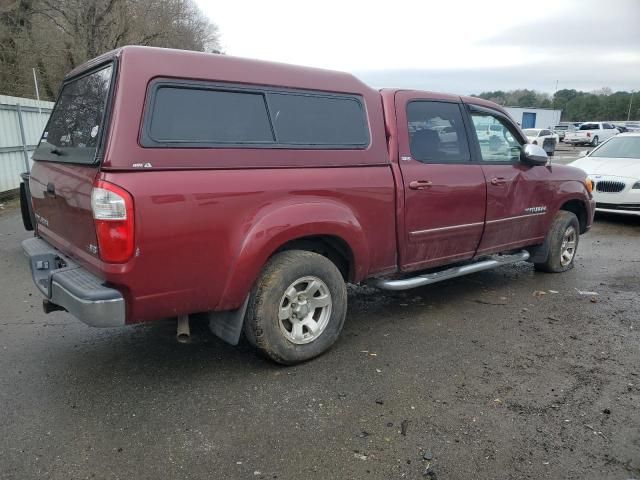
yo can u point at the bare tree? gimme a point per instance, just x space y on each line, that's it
57 35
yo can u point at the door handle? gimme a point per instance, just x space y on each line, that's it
420 184
498 181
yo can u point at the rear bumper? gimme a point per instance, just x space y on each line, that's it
65 283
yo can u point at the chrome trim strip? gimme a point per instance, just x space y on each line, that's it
517 217
444 229
622 212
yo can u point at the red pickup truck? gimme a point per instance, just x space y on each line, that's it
169 183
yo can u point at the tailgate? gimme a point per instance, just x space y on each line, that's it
575 135
61 198
66 163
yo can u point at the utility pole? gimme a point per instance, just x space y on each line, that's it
553 102
630 102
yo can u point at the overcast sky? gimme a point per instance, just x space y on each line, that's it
446 45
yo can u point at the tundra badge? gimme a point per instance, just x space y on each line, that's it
540 209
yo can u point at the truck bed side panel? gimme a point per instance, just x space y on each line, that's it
191 228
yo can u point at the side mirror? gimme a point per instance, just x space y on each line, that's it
583 153
534 155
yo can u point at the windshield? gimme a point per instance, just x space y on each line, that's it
619 147
531 132
73 130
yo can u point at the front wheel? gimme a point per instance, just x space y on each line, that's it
297 307
563 238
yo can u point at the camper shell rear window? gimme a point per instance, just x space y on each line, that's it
75 128
204 115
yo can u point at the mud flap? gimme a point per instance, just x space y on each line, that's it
228 325
26 210
539 253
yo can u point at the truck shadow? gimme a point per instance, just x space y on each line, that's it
151 350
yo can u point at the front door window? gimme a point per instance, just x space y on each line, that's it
497 142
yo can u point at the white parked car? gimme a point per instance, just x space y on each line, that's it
490 130
591 133
614 168
543 137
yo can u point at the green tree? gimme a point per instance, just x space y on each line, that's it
576 106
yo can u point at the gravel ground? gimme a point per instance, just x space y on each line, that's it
479 377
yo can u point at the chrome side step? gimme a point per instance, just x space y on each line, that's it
429 278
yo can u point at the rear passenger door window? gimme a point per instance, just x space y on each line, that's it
498 142
437 132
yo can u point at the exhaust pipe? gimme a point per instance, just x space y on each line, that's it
183 333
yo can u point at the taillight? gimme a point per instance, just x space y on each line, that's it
113 217
588 134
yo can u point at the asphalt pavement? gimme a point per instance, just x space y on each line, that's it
502 374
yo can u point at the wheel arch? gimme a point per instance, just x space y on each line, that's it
579 209
328 228
330 246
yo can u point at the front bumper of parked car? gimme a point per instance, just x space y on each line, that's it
616 194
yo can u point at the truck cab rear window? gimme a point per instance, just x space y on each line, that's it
198 115
317 120
75 127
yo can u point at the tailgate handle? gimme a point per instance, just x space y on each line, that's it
51 190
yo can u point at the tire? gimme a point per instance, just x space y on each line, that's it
282 295
595 141
564 231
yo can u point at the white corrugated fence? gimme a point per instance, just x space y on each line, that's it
17 142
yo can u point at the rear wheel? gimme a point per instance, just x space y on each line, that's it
297 308
563 238
595 141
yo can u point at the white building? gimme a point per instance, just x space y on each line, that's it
535 117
